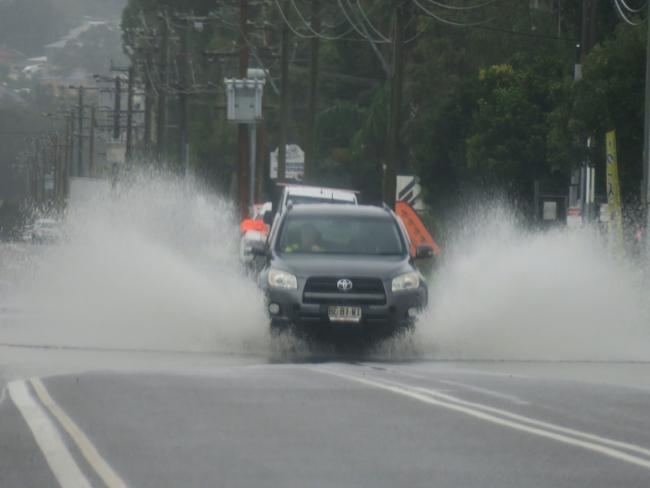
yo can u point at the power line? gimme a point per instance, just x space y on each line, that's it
619 8
363 34
430 13
462 7
631 9
366 18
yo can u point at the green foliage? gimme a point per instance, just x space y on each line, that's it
487 108
611 97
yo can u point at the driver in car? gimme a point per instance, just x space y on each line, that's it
310 241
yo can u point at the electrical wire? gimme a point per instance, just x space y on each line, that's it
307 24
623 15
462 7
450 22
356 27
631 9
366 18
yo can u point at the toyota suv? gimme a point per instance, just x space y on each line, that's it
331 267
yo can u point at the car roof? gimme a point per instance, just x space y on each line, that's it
334 209
320 192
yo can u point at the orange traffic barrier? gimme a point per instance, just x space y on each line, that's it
417 232
251 224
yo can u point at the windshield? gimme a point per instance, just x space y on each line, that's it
340 235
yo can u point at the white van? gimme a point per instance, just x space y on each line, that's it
299 194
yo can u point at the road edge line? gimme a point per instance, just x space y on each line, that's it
60 460
405 390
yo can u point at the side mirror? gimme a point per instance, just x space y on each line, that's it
424 251
268 217
257 248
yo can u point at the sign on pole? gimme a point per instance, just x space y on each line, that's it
408 190
294 164
574 217
615 224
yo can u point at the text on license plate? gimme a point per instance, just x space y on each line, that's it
344 314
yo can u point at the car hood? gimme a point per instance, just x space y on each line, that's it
344 265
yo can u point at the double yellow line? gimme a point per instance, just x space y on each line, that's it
61 461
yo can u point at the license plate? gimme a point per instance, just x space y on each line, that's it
345 314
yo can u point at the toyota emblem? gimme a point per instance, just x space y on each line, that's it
344 285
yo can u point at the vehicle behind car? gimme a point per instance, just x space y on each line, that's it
334 268
299 194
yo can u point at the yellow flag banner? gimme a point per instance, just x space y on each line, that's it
615 224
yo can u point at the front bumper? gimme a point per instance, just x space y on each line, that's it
393 314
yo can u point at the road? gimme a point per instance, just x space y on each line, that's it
83 417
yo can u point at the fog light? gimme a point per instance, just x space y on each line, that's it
413 312
274 308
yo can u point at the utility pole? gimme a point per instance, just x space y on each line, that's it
148 106
117 107
588 31
91 143
587 42
80 126
183 139
310 140
395 122
284 97
161 126
645 196
69 140
56 153
242 128
129 116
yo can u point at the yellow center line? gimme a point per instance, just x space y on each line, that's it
87 449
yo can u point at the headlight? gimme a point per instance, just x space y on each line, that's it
407 281
282 279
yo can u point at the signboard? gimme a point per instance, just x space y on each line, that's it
244 99
604 213
549 210
418 233
574 217
295 163
408 190
115 152
615 224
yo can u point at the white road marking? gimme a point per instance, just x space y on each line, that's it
88 450
486 391
539 423
478 411
60 460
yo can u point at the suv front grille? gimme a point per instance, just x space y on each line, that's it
365 291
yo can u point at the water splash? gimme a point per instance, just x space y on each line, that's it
148 264
507 293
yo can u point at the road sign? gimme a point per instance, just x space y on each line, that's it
244 99
615 224
574 217
295 163
409 190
